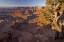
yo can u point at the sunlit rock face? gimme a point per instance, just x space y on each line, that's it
18 14
36 20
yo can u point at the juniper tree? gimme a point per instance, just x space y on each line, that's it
53 15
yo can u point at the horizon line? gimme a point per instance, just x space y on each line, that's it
12 5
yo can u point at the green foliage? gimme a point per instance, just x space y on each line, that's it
53 2
48 2
45 16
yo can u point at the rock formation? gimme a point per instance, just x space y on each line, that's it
5 30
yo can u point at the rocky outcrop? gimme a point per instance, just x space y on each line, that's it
26 37
36 20
41 38
5 30
28 33
18 14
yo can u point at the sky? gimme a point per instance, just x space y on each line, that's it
12 3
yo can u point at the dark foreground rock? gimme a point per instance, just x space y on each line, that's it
26 33
5 30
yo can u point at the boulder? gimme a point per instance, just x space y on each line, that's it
41 38
25 37
4 31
